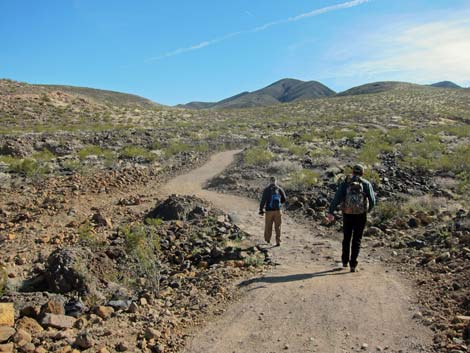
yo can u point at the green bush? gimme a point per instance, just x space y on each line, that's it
137 152
44 155
176 148
143 246
95 151
388 210
28 167
258 156
281 141
303 179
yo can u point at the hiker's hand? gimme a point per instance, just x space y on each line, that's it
330 217
261 213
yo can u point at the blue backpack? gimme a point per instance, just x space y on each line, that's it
275 202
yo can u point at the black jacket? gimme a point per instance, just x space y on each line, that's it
267 193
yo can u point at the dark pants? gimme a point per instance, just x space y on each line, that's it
353 227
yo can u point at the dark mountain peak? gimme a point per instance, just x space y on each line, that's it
282 91
445 84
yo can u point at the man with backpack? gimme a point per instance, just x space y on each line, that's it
357 198
272 199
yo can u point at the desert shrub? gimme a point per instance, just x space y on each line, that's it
464 184
72 165
303 179
87 235
394 136
426 203
202 147
255 261
176 148
338 134
28 167
375 144
44 155
460 159
424 154
95 151
458 130
137 152
261 142
143 245
284 167
258 156
281 141
297 150
388 210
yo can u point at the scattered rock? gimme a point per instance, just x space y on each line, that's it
84 340
7 314
58 321
104 312
6 332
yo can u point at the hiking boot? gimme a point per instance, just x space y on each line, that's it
353 269
345 264
278 244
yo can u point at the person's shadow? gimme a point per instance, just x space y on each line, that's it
292 278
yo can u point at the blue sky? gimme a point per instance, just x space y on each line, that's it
184 50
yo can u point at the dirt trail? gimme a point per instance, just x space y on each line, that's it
306 303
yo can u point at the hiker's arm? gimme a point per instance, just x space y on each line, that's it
263 201
283 195
337 199
371 196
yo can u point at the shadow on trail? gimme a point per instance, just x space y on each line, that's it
292 278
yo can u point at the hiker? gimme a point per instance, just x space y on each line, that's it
357 198
272 199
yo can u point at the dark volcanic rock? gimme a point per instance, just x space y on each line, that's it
65 270
178 207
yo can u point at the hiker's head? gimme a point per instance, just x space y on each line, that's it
272 180
358 169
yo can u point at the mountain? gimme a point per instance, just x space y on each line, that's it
96 95
282 91
378 87
445 84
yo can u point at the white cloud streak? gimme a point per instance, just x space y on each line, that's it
204 44
424 53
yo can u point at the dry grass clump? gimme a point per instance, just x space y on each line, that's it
284 167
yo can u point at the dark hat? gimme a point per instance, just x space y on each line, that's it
358 169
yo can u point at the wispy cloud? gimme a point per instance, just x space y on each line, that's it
421 53
204 44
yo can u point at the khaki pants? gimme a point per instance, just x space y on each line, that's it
270 218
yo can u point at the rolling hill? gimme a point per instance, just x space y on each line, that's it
96 95
446 84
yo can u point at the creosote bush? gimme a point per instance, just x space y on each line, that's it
95 151
388 210
303 179
284 167
137 152
258 156
143 245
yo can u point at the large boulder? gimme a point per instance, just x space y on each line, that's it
180 208
65 270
